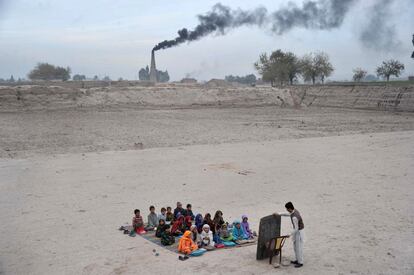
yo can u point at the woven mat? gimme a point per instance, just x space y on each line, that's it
150 236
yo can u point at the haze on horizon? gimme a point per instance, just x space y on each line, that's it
115 38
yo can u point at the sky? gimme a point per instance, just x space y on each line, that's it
115 38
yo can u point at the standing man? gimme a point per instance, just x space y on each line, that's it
297 233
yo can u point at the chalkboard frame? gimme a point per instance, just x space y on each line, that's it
269 228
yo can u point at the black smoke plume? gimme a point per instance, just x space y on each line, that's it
219 20
379 34
321 14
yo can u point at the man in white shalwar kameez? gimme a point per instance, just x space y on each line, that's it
297 234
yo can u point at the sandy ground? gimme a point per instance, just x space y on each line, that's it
34 133
60 213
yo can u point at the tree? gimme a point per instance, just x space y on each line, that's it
280 66
106 78
95 78
309 70
359 74
292 66
316 65
324 66
45 71
389 68
79 77
265 68
11 80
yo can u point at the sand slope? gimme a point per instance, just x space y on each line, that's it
51 97
60 213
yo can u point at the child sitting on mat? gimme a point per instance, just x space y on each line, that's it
169 215
179 210
209 221
186 244
246 227
189 212
207 238
195 235
218 220
238 232
167 238
138 223
188 223
152 219
178 226
199 222
225 234
161 228
162 215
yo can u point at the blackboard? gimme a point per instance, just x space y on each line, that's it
269 228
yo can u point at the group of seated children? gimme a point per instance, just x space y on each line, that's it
195 232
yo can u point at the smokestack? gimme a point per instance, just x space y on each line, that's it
412 56
153 70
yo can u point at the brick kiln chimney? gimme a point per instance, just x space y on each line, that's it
153 70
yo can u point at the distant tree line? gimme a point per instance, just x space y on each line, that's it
10 80
387 69
144 75
285 67
249 79
46 71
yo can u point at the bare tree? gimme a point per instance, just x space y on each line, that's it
389 68
359 74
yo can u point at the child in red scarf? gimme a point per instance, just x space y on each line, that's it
138 223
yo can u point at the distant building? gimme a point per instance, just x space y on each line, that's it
218 83
188 80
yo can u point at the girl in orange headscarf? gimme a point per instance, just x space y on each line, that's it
186 244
